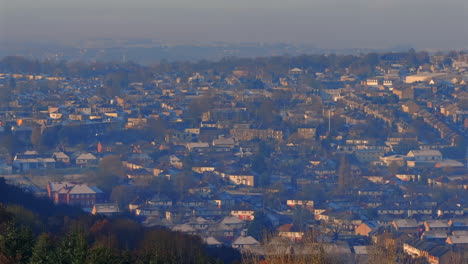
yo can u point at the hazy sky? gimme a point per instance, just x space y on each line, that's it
326 23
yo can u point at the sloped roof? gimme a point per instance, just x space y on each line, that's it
107 208
406 223
372 224
437 223
60 155
183 228
55 186
361 250
84 189
231 220
211 241
246 240
428 152
439 251
435 234
458 239
86 156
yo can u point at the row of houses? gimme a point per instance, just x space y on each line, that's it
31 160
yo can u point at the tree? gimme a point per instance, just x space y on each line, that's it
259 164
187 163
301 217
343 173
123 195
102 255
36 137
6 91
9 142
405 146
385 250
73 249
158 128
114 84
183 181
260 226
43 251
16 243
266 113
110 172
200 105
265 179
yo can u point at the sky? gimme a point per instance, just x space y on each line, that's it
432 24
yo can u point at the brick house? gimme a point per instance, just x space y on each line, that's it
74 194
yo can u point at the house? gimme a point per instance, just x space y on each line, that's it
418 248
419 209
107 209
202 169
176 161
223 200
199 223
362 254
202 189
435 236
185 229
458 224
222 231
245 242
424 155
366 227
224 144
148 210
74 193
137 202
291 232
440 255
406 225
32 160
436 225
160 201
136 122
139 174
86 159
61 157
307 133
233 221
305 203
198 146
243 214
212 242
247 180
457 240
395 159
450 209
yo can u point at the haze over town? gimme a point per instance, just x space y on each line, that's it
326 24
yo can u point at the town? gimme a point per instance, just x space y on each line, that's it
365 155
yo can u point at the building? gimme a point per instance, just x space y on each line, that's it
247 180
32 160
246 134
291 232
406 225
308 133
416 158
243 214
74 194
86 159
366 228
304 203
107 209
